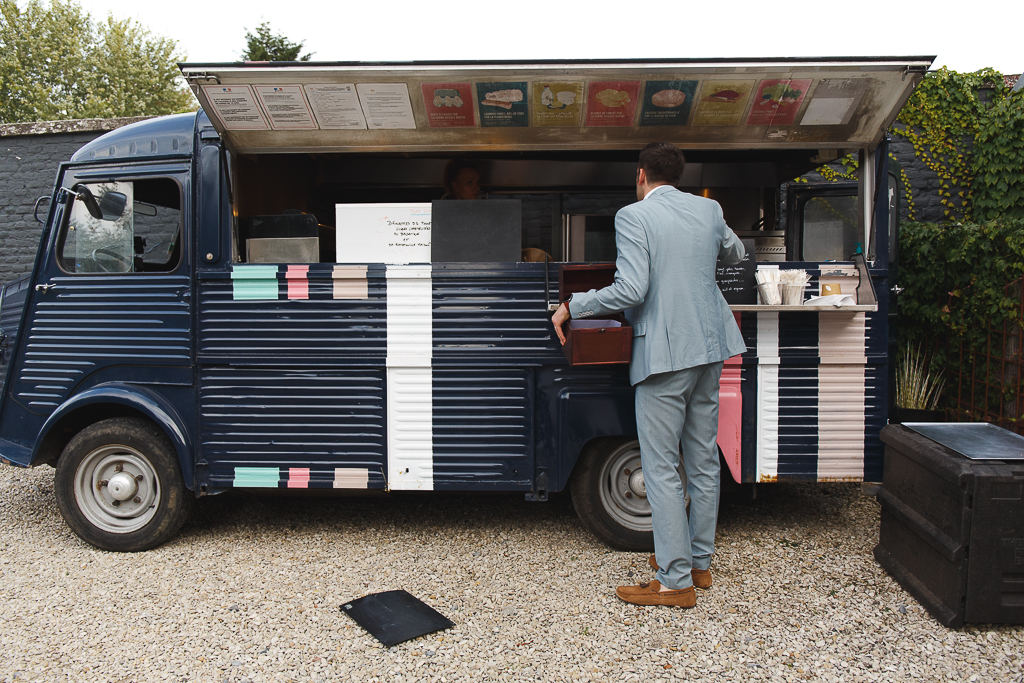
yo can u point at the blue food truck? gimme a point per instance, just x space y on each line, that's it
267 293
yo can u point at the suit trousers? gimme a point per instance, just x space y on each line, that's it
677 413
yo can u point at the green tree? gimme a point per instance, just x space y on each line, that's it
56 63
265 46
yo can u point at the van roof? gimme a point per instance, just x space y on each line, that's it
157 137
465 106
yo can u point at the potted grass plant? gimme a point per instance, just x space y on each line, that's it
918 390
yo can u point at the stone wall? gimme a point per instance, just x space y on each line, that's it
29 156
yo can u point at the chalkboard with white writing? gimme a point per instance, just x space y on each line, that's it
737 282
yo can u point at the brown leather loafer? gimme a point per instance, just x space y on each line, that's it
701 577
651 594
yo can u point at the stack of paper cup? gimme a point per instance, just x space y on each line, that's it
793 295
768 293
768 286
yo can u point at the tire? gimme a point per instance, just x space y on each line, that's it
620 521
119 486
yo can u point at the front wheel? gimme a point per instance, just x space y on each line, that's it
119 486
609 495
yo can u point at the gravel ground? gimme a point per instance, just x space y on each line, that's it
250 591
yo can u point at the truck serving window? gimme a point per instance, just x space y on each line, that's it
123 226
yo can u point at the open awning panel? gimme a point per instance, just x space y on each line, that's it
840 103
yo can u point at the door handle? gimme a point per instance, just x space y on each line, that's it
44 288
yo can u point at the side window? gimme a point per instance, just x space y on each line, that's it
830 228
123 227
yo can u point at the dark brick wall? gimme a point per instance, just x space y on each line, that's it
28 168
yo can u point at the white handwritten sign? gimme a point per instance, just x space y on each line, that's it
383 233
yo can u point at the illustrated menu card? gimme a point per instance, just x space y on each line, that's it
612 103
286 107
667 103
503 104
834 101
721 103
236 107
557 104
448 105
336 106
386 105
777 102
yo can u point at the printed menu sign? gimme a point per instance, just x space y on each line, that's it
556 104
236 107
383 233
667 103
612 103
286 107
721 103
336 106
448 105
777 102
502 105
386 105
834 101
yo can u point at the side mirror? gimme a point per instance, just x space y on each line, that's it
87 198
112 205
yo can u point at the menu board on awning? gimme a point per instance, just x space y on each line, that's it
448 105
386 105
557 104
236 107
336 106
612 103
777 102
503 104
286 107
667 103
721 103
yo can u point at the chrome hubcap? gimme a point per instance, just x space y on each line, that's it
623 493
116 488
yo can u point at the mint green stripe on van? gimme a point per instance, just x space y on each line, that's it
254 282
257 477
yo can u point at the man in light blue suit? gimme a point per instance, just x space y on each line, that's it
668 245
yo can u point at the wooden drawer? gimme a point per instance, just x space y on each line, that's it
600 340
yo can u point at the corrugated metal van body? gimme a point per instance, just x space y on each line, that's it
815 389
491 331
292 380
12 307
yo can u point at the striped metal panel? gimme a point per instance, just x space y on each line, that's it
314 330
798 422
494 314
482 427
12 306
88 322
313 418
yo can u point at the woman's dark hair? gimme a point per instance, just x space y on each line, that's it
452 170
662 162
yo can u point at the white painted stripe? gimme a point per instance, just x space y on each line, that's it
767 422
768 337
767 395
410 415
410 428
842 337
410 317
351 477
841 397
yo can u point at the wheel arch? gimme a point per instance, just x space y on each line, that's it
114 399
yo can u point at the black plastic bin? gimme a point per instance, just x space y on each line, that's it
952 531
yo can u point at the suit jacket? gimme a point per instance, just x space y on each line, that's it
668 246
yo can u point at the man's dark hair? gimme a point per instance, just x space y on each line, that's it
452 170
662 162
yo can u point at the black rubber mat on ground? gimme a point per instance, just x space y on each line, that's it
394 617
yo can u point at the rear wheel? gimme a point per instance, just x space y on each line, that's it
610 497
119 486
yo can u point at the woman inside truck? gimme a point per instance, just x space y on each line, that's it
461 180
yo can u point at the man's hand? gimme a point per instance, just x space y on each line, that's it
558 319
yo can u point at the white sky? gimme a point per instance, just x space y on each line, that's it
965 36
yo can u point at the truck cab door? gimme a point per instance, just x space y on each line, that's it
111 300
